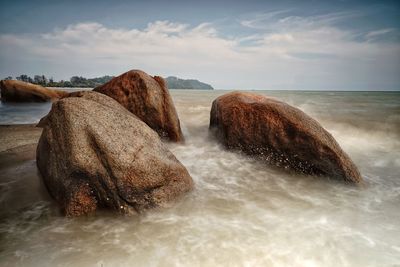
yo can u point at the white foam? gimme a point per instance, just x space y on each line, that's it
241 212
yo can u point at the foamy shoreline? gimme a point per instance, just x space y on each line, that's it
241 211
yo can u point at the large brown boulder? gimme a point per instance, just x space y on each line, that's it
94 153
18 91
148 98
280 134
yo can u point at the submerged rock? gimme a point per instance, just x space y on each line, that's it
18 91
148 98
94 153
280 134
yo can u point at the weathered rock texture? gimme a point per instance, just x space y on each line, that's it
280 134
148 98
18 91
94 153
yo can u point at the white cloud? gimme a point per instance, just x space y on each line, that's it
260 20
372 35
291 53
281 20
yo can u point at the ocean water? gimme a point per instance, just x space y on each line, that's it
24 113
241 212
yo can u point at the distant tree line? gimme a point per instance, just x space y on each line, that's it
75 81
176 83
79 81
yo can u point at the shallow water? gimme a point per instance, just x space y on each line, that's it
241 212
25 113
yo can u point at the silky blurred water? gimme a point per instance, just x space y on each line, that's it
24 113
241 212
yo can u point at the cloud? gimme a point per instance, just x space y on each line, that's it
260 20
289 52
285 20
373 35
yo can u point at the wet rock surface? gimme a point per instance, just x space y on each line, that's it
148 98
279 134
93 153
18 91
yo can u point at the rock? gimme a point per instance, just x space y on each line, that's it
279 134
18 91
148 98
94 153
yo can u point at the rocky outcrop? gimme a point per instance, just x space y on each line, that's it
18 91
93 153
279 134
148 98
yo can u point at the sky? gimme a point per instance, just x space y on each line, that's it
270 45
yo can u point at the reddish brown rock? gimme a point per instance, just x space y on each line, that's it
93 153
18 91
279 134
148 98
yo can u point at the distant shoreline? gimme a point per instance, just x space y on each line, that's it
82 82
251 90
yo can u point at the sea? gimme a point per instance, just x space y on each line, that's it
241 212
